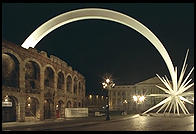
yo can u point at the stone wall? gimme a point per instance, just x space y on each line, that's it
33 83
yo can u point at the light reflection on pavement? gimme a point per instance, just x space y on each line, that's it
140 123
128 123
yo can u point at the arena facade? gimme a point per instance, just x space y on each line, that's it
36 86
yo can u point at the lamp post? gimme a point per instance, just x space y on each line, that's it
6 102
138 99
125 107
108 84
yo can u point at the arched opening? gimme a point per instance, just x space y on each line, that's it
31 108
60 83
48 108
32 77
75 85
10 70
9 106
49 93
49 78
60 109
69 104
69 84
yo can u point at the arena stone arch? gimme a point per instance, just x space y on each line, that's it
60 108
9 51
32 81
35 97
62 83
15 96
59 70
32 110
69 104
48 65
75 84
69 75
54 74
11 63
34 60
60 99
13 113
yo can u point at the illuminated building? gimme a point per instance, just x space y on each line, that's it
121 96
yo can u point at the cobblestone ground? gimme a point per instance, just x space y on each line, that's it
141 123
127 123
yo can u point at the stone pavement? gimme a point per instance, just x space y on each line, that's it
149 122
66 121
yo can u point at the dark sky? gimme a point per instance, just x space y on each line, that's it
98 47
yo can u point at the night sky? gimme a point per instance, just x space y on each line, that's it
99 47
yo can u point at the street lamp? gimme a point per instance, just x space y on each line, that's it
6 102
108 84
138 99
6 98
125 107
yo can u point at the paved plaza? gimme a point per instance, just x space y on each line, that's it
117 123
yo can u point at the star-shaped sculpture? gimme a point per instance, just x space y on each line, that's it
175 95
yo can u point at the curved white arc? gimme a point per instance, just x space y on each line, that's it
97 13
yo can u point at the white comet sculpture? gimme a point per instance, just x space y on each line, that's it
175 90
175 95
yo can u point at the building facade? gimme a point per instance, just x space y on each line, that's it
96 100
121 97
36 86
95 103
